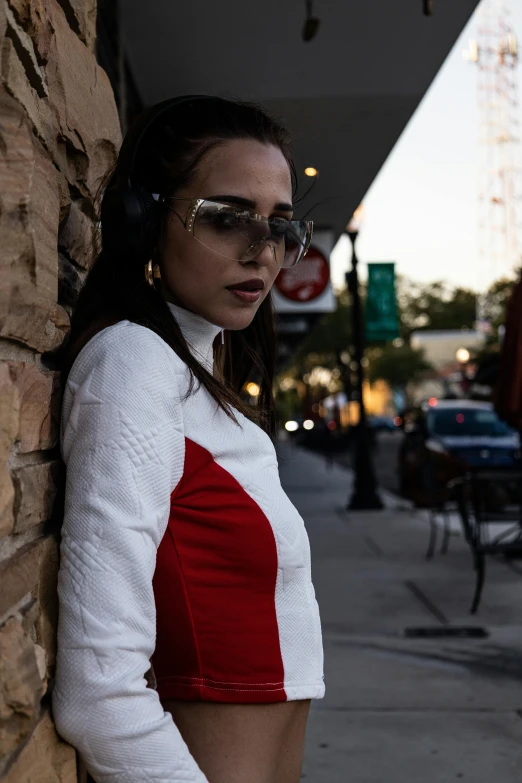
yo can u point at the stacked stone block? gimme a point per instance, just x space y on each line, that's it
59 135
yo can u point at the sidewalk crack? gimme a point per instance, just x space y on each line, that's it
428 604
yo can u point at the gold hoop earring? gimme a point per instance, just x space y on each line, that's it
152 273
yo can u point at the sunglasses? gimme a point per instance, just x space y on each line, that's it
239 235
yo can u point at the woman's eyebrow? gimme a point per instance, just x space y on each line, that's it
246 202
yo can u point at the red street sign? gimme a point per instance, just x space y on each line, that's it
307 280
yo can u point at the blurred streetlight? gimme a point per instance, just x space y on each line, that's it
354 224
462 355
365 494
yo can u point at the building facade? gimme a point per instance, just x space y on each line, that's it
59 133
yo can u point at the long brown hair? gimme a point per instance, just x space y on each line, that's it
166 160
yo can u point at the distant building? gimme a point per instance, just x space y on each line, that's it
440 347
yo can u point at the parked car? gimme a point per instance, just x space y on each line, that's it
443 438
382 423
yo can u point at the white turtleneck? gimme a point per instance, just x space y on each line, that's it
141 455
198 332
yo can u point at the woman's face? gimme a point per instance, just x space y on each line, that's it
258 176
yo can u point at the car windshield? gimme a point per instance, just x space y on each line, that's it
467 421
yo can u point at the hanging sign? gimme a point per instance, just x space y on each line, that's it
307 280
306 288
382 321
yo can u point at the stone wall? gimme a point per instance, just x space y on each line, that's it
59 133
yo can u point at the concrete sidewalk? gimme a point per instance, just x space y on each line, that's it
400 710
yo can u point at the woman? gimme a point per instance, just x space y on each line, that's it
179 546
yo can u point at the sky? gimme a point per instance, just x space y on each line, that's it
421 210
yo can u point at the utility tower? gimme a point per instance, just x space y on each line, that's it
500 174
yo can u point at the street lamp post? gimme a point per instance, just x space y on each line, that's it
365 495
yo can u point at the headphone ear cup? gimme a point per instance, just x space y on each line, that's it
129 214
129 221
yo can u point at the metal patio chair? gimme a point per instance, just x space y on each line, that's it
441 501
488 498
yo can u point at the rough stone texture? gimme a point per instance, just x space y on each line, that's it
81 15
21 686
17 85
3 20
59 135
47 619
56 98
28 233
71 281
26 51
41 665
45 758
39 407
31 17
9 412
19 575
77 236
29 614
87 140
36 487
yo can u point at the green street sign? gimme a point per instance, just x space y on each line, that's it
382 322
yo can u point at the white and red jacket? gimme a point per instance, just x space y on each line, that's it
179 546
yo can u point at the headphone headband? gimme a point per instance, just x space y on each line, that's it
133 137
129 214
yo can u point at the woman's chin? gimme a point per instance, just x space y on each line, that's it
233 318
237 321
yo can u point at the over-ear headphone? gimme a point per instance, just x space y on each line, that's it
129 214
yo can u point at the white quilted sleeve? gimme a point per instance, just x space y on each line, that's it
123 444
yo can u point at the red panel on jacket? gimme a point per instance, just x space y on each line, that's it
214 586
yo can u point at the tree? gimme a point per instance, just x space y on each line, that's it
434 306
398 366
331 335
421 306
496 300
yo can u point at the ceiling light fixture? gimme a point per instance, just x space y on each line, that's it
311 172
311 25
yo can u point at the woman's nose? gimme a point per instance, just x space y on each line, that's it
264 254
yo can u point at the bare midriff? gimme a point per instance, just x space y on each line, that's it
244 743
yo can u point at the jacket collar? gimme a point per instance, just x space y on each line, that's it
199 334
